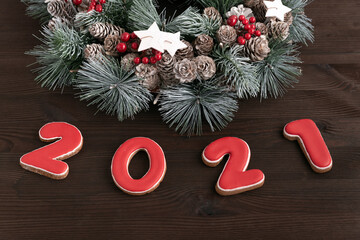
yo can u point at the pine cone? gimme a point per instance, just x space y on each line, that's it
238 11
102 30
278 29
262 28
60 8
84 6
165 68
252 3
289 18
148 75
92 51
212 13
257 49
110 44
206 67
226 35
127 61
204 45
185 71
55 21
185 52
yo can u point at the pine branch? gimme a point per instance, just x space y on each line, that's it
37 9
59 53
277 71
223 6
301 30
114 90
143 13
189 105
114 12
191 23
239 73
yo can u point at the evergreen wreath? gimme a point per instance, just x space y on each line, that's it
226 49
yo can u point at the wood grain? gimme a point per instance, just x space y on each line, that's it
294 203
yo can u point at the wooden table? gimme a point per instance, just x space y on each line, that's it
294 203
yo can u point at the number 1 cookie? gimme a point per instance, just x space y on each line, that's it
312 143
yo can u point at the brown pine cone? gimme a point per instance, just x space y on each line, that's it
148 75
257 49
206 67
110 44
226 35
185 71
92 51
212 13
166 69
60 8
187 52
127 61
102 30
278 29
204 45
84 6
262 28
289 18
252 3
53 23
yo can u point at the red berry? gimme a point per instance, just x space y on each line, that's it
133 36
99 8
252 19
137 60
245 21
242 18
232 20
253 26
125 37
153 60
247 27
158 56
241 40
145 60
251 31
121 47
77 2
93 4
91 8
258 33
102 1
248 36
135 45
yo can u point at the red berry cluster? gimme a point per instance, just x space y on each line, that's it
247 29
94 5
157 56
125 37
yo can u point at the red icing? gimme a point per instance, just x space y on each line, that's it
46 159
234 175
122 158
312 141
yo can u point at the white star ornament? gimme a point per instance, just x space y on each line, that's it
276 9
150 38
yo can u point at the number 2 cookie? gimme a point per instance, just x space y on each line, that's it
47 160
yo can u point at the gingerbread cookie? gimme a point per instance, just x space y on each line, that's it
234 178
312 143
120 166
47 160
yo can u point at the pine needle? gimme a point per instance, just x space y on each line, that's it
188 106
114 90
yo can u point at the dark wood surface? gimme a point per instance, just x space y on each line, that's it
294 203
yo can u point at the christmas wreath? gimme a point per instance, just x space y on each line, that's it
122 54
